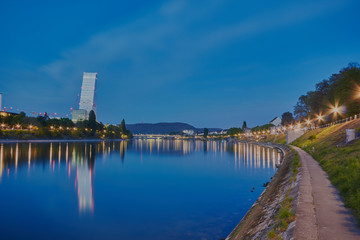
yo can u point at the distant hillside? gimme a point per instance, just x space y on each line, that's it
163 128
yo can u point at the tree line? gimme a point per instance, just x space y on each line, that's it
341 91
26 127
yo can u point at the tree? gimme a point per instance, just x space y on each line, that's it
233 131
206 132
287 119
19 119
123 126
339 90
244 126
302 108
264 127
41 121
92 121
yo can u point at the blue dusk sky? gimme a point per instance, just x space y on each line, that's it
207 63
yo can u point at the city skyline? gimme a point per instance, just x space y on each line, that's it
175 61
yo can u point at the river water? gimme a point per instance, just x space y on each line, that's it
138 189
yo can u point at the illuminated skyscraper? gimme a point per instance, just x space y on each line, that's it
88 92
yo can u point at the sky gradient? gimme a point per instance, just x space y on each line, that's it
207 63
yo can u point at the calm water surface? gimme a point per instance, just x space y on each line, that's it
139 189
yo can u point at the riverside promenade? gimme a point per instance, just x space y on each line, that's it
320 212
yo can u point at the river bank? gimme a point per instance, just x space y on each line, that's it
340 161
272 215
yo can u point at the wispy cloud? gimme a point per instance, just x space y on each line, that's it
164 46
171 47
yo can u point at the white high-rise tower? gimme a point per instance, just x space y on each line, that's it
88 92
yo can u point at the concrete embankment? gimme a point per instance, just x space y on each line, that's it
262 218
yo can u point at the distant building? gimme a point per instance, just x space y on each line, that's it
224 131
79 115
0 101
87 98
88 92
276 121
188 132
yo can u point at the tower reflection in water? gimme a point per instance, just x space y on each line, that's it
78 158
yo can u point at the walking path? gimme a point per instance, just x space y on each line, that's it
320 212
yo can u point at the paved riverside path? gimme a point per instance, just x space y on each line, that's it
320 212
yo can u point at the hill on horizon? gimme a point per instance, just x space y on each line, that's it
164 128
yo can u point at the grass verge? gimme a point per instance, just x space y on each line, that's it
341 161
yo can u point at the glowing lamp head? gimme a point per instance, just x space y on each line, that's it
308 122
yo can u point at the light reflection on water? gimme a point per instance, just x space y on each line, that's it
78 160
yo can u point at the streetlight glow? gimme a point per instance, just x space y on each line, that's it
336 110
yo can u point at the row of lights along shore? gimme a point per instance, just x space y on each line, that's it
334 110
319 118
